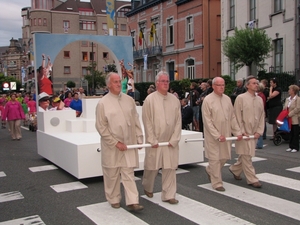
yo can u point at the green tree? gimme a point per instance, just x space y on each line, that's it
248 46
96 79
71 84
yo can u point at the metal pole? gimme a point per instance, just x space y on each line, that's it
116 15
93 75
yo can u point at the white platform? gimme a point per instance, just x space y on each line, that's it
74 144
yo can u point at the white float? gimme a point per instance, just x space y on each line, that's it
74 143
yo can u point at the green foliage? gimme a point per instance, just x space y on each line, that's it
9 79
229 84
71 84
142 88
284 79
248 46
111 68
96 77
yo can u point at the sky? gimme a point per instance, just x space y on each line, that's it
11 20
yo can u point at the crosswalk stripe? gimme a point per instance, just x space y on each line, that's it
280 181
255 159
295 169
2 174
205 164
104 214
42 168
10 196
68 186
197 212
25 221
256 198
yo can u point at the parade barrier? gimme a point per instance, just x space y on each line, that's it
73 144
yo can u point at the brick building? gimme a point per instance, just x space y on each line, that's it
182 37
73 17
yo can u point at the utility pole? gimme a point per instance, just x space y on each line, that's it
93 74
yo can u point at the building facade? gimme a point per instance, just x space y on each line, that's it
73 17
182 37
280 20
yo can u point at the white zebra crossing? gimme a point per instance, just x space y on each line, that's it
197 211
10 196
280 181
24 221
258 199
104 214
295 169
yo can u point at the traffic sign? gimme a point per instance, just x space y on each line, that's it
5 86
13 86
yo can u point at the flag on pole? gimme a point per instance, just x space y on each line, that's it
110 15
141 36
152 31
145 62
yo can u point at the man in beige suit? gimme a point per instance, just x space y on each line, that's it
250 114
118 124
219 122
162 122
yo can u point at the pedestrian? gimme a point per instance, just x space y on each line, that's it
249 111
162 123
13 113
274 103
219 122
292 103
76 104
118 125
44 102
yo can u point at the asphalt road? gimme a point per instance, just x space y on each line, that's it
31 193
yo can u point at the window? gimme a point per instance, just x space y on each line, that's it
190 65
252 10
67 70
133 39
232 14
85 12
278 55
189 28
87 25
92 56
44 22
170 37
66 25
104 28
105 55
84 56
122 12
123 27
40 22
277 5
84 71
66 54
34 22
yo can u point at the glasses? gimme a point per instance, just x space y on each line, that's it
164 81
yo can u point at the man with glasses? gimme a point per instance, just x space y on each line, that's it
162 122
219 122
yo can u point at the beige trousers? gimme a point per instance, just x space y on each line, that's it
214 169
244 164
168 182
15 129
112 186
